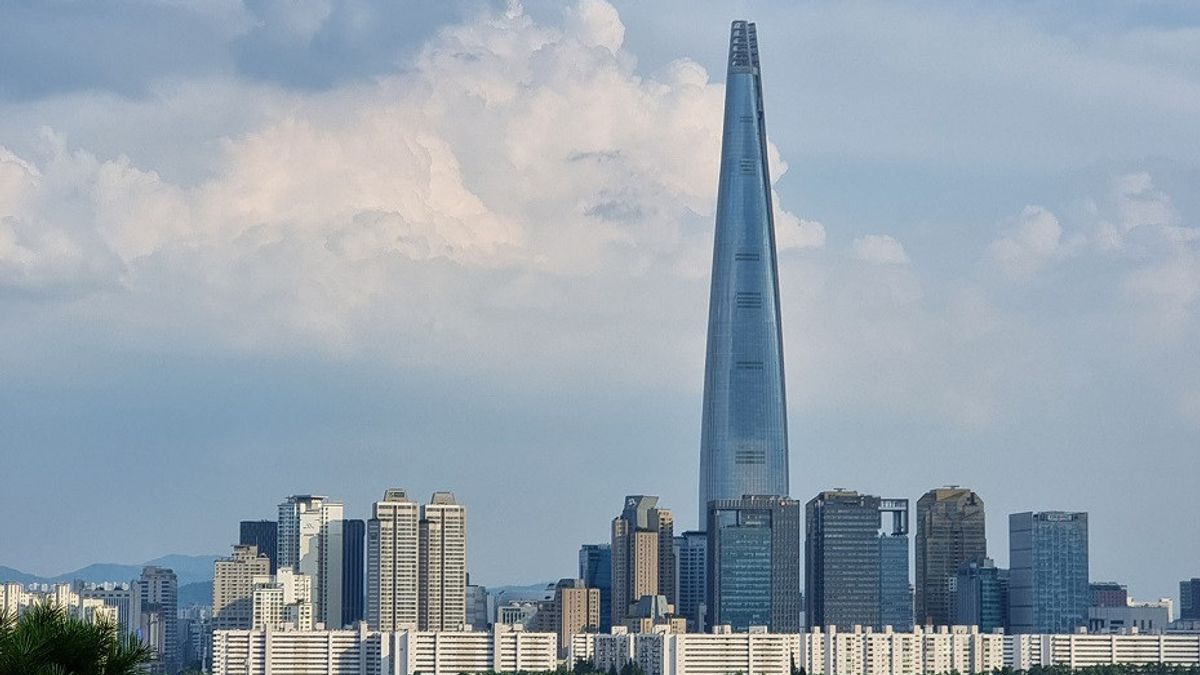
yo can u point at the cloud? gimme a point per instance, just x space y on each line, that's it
1035 240
879 248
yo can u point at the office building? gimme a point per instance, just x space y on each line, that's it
691 556
158 589
1048 581
854 574
479 611
1108 594
981 595
743 439
353 568
263 535
442 565
754 566
575 608
310 542
595 568
950 532
643 555
1189 600
234 579
367 652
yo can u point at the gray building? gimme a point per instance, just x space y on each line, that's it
1189 600
981 595
1108 594
1048 586
158 589
754 563
595 568
950 532
691 554
845 582
743 438
895 591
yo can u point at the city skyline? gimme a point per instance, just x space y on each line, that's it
961 309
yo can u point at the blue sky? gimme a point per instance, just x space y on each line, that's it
249 249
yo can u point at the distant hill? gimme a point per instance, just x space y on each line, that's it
198 593
188 568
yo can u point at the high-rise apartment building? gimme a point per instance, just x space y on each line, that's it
691 556
854 574
981 595
754 563
354 534
595 568
643 555
263 535
442 564
1189 600
743 441
310 541
158 588
1048 579
234 579
392 553
575 608
950 532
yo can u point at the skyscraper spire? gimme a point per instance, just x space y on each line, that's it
743 445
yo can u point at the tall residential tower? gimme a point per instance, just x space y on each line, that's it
743 442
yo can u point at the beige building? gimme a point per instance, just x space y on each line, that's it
574 609
643 555
234 579
442 565
392 562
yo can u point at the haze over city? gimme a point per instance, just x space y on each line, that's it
256 250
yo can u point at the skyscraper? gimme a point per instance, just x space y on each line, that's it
853 573
595 568
442 565
392 553
743 441
353 536
310 542
950 532
575 608
643 555
1048 578
754 563
691 555
263 535
159 590
1189 600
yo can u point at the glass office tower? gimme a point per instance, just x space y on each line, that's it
743 445
1048 578
754 563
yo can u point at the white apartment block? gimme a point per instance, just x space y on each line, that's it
1082 650
662 653
367 652
282 602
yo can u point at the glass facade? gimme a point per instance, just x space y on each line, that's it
595 568
950 532
980 595
691 552
895 593
354 534
853 574
1048 581
263 535
743 446
754 563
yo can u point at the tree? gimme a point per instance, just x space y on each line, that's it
47 641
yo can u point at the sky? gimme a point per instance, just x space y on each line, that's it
258 248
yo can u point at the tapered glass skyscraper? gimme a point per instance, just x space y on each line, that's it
743 443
